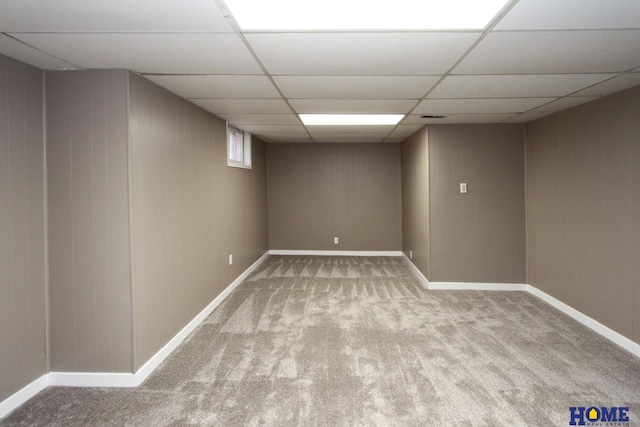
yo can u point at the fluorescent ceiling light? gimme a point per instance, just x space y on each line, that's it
350 119
364 14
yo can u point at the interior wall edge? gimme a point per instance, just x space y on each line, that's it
47 307
130 214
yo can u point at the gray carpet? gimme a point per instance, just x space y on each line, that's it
345 341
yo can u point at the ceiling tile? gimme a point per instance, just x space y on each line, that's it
403 132
470 118
151 53
379 130
518 86
554 52
217 86
414 120
485 105
621 82
572 14
564 103
29 55
285 138
111 16
360 53
355 106
281 129
261 119
527 117
356 87
348 138
243 106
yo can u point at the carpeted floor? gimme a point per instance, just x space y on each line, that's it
345 341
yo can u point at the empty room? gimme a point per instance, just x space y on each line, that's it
320 213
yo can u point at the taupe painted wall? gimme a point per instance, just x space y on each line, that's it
479 236
22 227
474 237
321 191
190 211
583 209
415 200
88 211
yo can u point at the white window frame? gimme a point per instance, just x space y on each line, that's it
238 147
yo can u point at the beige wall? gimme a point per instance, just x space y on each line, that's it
88 211
415 200
474 237
22 227
478 236
190 211
321 191
583 209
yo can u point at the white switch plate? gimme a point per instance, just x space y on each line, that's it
463 187
230 259
336 241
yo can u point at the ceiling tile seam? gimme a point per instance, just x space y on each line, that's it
328 99
201 75
122 32
365 32
251 114
240 99
623 73
496 19
537 109
566 30
502 97
238 31
72 65
585 73
353 75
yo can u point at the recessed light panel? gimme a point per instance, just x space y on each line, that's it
364 14
350 119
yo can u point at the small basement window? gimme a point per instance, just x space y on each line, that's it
238 147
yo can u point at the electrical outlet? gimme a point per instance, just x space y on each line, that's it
336 241
230 259
463 187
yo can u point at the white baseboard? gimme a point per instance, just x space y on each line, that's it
94 379
75 379
104 379
608 333
11 403
594 325
416 272
334 253
469 286
462 286
159 357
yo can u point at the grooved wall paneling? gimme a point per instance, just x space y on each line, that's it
321 191
88 201
22 227
583 209
190 211
478 236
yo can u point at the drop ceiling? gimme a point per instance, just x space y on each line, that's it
535 58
